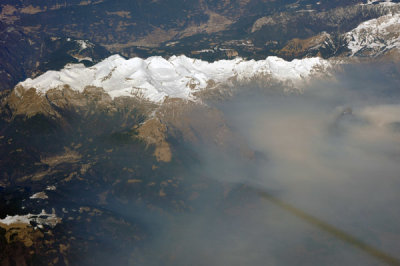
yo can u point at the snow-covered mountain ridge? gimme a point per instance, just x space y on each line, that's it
156 78
375 36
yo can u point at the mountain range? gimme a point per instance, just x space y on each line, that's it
108 107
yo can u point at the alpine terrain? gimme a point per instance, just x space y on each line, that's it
199 132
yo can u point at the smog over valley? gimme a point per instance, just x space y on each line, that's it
200 132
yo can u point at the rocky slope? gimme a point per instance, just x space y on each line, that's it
375 37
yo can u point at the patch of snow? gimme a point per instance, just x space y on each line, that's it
51 188
42 218
39 195
23 219
83 44
80 59
305 10
380 2
206 51
156 78
85 58
171 43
